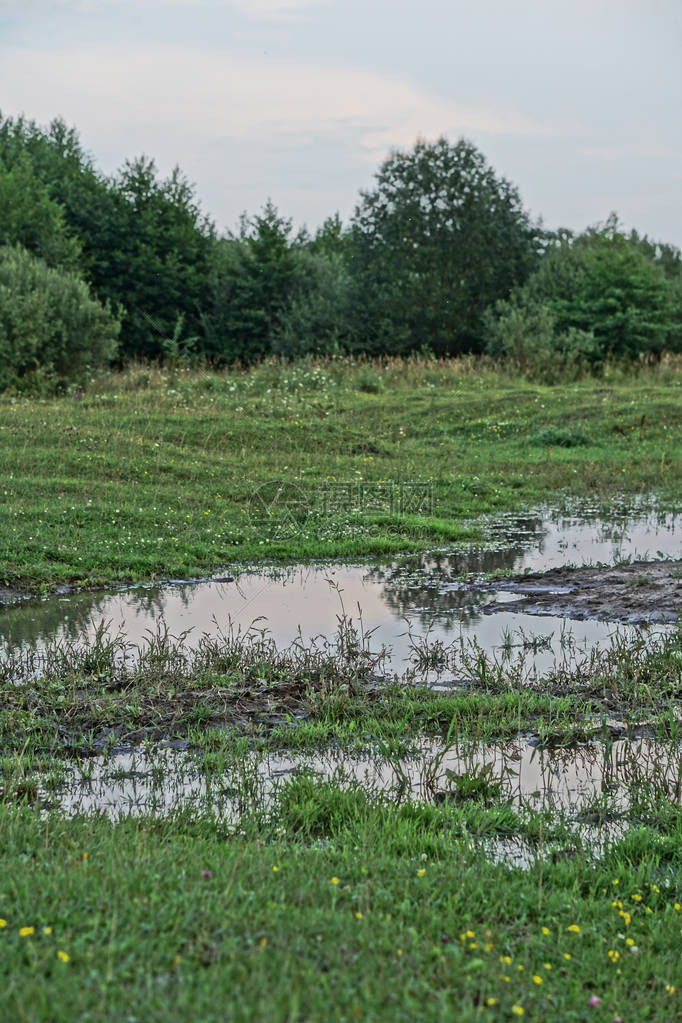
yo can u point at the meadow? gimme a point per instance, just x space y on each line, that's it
319 895
155 473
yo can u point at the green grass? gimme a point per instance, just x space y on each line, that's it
385 914
153 473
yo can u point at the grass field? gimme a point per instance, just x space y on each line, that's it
157 474
323 898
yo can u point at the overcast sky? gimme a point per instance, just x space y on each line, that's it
578 103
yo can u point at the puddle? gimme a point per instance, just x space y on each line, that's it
399 602
569 781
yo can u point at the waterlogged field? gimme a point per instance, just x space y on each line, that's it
443 786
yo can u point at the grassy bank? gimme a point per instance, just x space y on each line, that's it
173 473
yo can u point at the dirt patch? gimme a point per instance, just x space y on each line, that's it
637 593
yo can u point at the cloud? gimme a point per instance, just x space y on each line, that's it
255 8
183 94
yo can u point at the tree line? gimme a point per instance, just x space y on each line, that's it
440 255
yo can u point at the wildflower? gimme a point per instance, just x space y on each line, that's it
574 928
263 942
84 856
63 956
615 881
547 966
488 946
677 906
537 979
636 897
3 923
208 874
594 1001
492 1001
422 871
626 917
671 989
335 880
613 955
545 930
656 889
473 944
617 905
358 916
518 1010
629 941
567 955
399 952
505 959
47 930
520 967
275 869
506 979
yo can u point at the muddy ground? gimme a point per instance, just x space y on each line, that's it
637 593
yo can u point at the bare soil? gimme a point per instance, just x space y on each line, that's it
637 593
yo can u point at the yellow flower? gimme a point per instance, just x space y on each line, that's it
492 1001
670 988
488 946
63 956
567 955
47 930
506 979
547 966
26 932
656 889
263 942
636 897
3 923
422 871
399 952
505 959
574 928
275 869
615 881
629 941
677 906
518 1010
613 955
335 880
617 904
473 944
537 979
520 967
358 916
545 930
626 917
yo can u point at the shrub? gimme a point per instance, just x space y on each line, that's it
51 328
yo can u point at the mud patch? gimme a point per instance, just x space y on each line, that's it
640 593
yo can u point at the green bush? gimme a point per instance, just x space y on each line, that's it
51 329
594 298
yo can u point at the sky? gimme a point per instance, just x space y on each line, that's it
578 103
